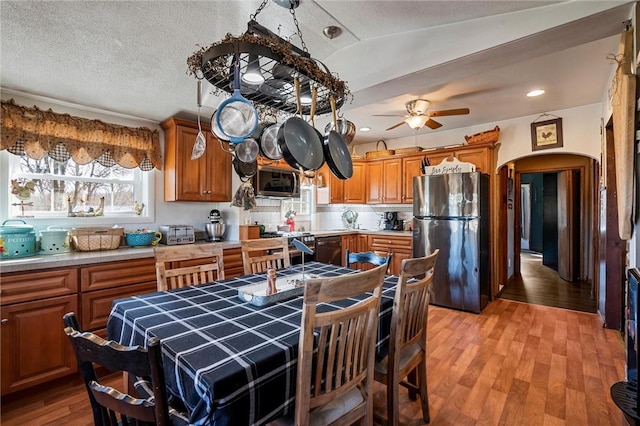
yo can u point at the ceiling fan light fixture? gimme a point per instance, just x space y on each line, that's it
253 75
365 129
416 122
417 106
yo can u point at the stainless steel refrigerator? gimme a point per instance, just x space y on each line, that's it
451 213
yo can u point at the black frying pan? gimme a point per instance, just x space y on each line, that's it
336 152
245 170
299 142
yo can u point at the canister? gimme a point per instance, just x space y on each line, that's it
54 240
17 239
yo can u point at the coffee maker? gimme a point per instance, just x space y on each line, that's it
216 226
391 221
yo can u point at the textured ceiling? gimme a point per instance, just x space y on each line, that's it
130 57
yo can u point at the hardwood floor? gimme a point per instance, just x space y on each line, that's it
513 364
541 285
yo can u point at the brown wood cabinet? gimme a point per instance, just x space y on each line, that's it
233 266
206 179
350 191
410 169
480 155
349 242
384 181
33 346
400 247
102 283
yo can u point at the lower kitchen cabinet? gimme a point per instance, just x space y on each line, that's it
400 247
33 345
349 242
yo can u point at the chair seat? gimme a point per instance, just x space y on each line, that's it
327 414
408 354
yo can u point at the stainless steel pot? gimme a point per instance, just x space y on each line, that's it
17 240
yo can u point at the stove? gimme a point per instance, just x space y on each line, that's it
305 237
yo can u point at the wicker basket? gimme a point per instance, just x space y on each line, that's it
94 239
411 150
487 137
379 153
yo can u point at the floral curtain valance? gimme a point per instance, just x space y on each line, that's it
37 133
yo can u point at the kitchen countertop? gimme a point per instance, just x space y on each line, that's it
77 258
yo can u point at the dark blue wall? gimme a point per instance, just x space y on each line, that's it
535 179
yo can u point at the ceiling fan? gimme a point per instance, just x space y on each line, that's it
419 116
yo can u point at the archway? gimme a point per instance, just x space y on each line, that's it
559 269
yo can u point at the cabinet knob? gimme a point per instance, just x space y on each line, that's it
4 321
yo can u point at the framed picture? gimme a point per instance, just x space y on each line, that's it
546 134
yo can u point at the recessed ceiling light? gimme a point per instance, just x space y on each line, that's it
365 129
536 92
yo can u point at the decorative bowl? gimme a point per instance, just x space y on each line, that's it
142 237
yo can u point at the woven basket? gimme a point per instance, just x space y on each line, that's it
410 150
379 153
487 137
94 239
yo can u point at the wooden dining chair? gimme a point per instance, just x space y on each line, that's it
196 264
264 253
369 257
337 349
150 406
408 338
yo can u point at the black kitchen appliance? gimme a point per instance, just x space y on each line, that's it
391 221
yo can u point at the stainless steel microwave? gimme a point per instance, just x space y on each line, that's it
276 182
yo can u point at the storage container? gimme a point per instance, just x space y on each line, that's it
95 238
54 240
17 240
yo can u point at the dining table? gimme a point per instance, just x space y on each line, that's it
229 361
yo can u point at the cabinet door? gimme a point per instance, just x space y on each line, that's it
336 189
33 345
397 258
233 266
477 156
392 175
355 188
375 182
191 175
218 171
96 305
117 274
410 169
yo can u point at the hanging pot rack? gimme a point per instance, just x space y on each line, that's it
279 62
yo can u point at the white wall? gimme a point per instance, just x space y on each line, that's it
581 135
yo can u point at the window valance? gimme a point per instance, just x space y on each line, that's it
36 133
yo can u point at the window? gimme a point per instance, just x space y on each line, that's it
303 206
54 188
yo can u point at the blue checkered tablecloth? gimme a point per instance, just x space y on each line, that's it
230 362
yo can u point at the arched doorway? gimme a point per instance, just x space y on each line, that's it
551 240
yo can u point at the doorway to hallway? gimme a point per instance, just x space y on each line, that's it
541 285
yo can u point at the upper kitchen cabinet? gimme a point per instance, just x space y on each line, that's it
384 181
350 191
206 179
411 167
480 155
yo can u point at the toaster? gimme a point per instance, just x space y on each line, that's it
177 234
